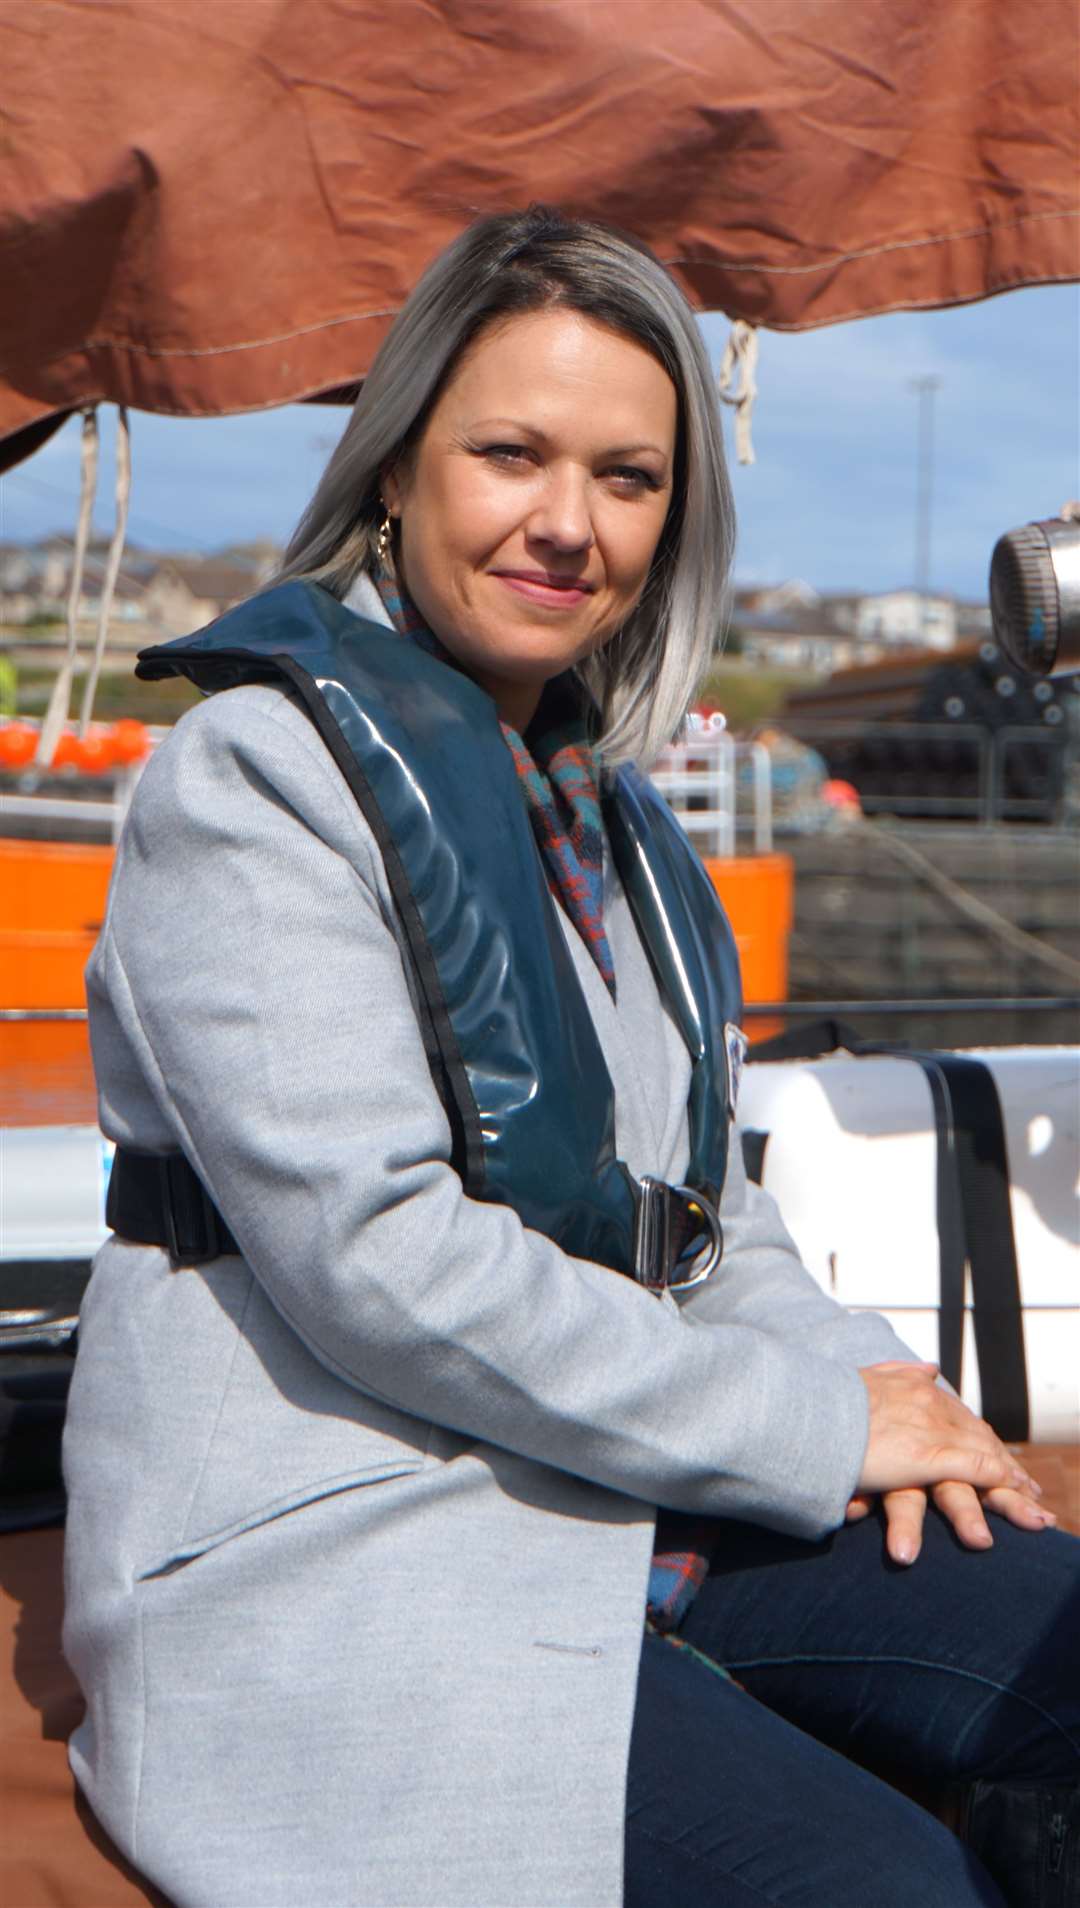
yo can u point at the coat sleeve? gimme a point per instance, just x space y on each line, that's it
248 958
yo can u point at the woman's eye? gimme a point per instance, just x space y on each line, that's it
505 453
632 477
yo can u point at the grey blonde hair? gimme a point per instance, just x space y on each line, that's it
643 680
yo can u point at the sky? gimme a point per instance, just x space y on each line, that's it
831 498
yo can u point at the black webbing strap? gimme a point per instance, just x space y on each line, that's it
949 1206
754 1144
974 1215
157 1199
983 1171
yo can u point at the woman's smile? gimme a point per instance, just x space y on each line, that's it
540 586
532 507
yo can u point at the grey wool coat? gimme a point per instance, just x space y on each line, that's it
360 1522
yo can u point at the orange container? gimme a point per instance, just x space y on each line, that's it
758 895
52 904
46 1076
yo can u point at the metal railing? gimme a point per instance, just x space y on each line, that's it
978 775
722 788
701 778
25 804
935 1004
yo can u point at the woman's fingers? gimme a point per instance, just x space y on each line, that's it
1019 1509
905 1512
960 1504
1031 1486
978 1464
860 1506
907 1364
987 1464
976 1431
965 1511
921 1434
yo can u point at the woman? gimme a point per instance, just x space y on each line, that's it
372 1416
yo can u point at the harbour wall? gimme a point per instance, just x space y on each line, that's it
906 910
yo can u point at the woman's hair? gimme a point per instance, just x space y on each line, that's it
643 679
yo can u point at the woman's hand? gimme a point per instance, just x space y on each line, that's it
917 1427
964 1507
922 1434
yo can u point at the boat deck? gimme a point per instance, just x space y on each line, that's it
1057 1468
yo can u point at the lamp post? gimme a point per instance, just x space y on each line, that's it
925 389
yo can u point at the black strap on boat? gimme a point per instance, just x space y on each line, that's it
983 1171
157 1199
974 1215
949 1207
754 1143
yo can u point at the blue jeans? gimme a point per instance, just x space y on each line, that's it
962 1669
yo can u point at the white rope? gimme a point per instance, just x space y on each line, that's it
112 564
60 700
740 354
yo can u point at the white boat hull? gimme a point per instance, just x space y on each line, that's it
851 1159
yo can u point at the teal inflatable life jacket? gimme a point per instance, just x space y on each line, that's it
506 1029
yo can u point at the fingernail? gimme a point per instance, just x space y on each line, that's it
904 1553
1047 1517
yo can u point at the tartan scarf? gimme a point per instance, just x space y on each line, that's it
682 1548
559 772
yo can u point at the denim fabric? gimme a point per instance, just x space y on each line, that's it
963 1668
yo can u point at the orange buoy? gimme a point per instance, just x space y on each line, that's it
93 752
65 754
130 741
841 795
18 745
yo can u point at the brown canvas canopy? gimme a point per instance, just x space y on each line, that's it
219 205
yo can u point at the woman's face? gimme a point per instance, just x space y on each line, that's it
532 507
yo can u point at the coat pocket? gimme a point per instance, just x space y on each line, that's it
193 1547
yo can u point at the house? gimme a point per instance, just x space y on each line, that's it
18 585
800 641
185 593
793 626
905 619
790 626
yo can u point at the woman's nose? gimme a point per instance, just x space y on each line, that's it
562 516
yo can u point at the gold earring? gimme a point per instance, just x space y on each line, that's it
384 541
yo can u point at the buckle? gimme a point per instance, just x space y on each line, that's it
664 1229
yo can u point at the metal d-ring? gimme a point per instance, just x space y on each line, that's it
716 1241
